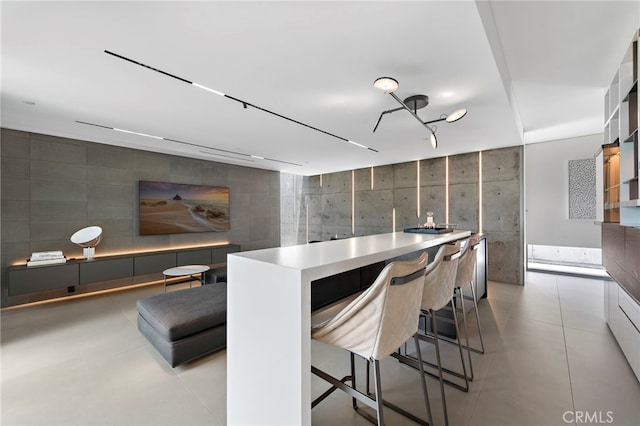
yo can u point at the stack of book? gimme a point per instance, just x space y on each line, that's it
46 258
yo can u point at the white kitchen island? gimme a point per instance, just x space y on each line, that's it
269 319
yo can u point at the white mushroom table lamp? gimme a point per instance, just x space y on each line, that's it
88 238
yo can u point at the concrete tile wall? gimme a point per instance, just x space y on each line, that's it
394 186
502 213
53 186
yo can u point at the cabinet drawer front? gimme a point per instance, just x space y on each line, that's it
629 339
194 257
41 278
630 307
105 270
154 263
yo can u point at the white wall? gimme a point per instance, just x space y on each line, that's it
547 193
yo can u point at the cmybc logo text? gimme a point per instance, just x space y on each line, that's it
579 417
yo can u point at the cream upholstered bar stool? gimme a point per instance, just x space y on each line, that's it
464 280
439 283
373 326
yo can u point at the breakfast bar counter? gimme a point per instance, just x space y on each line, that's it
269 319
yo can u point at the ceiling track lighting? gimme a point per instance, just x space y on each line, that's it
192 144
412 104
244 104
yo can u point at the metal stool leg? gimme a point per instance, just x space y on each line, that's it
379 404
425 392
437 345
466 331
475 307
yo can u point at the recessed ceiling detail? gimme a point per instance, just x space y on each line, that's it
249 156
245 104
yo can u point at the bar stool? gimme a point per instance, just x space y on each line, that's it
439 282
373 326
464 280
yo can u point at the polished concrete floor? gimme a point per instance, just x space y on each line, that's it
550 360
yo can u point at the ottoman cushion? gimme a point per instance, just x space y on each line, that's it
182 313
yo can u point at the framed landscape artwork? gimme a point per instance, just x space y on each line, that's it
177 208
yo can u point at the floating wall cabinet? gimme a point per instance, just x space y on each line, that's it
120 270
621 206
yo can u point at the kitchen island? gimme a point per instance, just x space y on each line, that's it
269 319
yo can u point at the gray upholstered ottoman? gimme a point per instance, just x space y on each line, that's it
185 324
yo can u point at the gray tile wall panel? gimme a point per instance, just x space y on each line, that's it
56 172
51 148
463 205
432 172
260 228
463 168
362 179
15 189
110 175
15 144
151 166
383 177
501 206
405 201
112 157
16 168
433 198
49 211
505 253
287 210
60 230
15 210
287 182
405 175
215 174
52 190
15 232
502 164
186 167
110 201
374 208
308 185
336 208
314 203
339 182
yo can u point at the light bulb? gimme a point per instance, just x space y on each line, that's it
386 84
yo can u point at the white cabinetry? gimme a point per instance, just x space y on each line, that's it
623 317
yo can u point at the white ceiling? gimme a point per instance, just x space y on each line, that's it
526 71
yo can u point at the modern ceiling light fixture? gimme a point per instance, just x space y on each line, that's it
412 104
245 104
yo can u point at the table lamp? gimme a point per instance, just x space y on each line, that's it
88 238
